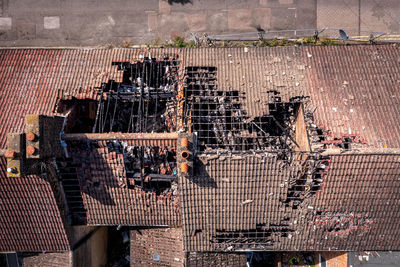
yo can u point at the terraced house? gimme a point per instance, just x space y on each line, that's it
205 155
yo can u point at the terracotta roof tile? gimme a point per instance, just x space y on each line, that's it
360 82
30 218
341 77
157 247
356 207
111 201
356 90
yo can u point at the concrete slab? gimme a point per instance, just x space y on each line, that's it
217 22
283 18
164 7
234 4
194 6
240 19
381 16
26 30
374 259
196 22
306 16
337 14
286 2
262 18
87 22
111 6
152 21
126 25
29 6
51 23
172 25
5 24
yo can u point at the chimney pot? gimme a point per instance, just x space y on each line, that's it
30 136
184 167
30 150
184 142
185 154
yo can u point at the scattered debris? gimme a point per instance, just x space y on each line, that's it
222 124
145 100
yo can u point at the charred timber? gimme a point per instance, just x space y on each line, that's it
119 136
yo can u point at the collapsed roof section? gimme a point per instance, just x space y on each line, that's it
144 101
233 100
220 121
123 179
152 97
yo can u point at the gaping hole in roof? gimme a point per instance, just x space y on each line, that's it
151 168
145 100
81 114
221 122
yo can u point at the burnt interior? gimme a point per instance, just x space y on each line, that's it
148 100
306 179
81 114
221 122
145 100
260 237
153 168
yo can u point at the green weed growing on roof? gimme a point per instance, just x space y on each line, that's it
328 41
273 42
179 42
308 40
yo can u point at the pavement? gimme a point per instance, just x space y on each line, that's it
360 15
99 22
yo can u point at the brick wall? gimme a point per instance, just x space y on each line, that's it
334 259
157 247
216 259
62 259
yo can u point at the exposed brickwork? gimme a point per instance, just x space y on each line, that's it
216 259
63 259
334 259
146 244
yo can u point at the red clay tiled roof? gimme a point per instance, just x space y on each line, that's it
166 243
240 200
29 216
361 78
254 72
356 89
31 80
340 77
